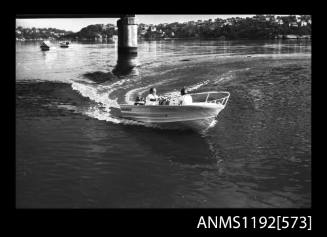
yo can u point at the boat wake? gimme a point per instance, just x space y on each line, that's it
108 94
107 108
95 93
228 76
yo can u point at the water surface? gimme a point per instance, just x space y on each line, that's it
71 151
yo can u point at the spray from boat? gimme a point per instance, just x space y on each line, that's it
108 109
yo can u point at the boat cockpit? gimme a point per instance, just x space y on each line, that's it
216 97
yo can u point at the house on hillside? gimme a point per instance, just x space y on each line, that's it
98 37
270 18
305 37
291 36
115 37
227 23
279 21
293 24
261 18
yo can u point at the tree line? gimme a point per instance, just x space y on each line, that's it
257 27
39 33
93 32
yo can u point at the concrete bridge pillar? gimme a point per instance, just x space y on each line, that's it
127 35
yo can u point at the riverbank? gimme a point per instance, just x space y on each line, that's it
225 38
291 37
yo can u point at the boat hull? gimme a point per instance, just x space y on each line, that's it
44 48
198 125
194 116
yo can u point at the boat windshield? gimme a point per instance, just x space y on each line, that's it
219 97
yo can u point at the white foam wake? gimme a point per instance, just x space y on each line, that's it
104 115
227 76
94 93
100 94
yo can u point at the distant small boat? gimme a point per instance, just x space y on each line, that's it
45 45
64 44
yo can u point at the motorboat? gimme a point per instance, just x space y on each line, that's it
45 45
64 44
200 114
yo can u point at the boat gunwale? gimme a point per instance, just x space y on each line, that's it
174 119
202 105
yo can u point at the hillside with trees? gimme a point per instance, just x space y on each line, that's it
257 27
39 33
94 32
90 33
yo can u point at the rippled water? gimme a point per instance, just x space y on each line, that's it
72 151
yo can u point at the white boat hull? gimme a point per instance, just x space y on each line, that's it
195 116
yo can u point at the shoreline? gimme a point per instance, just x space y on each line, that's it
164 39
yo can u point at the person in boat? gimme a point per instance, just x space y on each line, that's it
139 101
185 99
152 98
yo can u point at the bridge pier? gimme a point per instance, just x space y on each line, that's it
127 35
